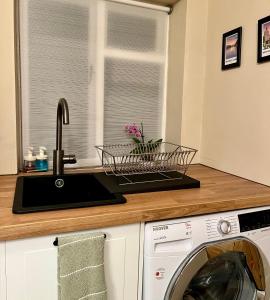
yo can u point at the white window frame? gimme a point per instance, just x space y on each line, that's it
101 53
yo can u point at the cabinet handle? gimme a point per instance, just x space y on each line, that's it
55 242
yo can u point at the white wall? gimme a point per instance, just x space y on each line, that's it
176 69
186 74
235 104
194 74
8 147
236 122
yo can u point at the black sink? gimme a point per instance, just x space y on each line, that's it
49 192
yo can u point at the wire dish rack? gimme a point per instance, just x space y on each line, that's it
135 159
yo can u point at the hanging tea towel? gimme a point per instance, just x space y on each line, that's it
81 267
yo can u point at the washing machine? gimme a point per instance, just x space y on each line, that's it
223 256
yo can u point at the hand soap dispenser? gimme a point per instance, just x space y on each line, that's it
29 163
42 160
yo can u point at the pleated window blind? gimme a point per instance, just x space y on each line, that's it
107 59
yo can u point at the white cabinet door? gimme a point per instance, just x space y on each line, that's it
31 265
2 271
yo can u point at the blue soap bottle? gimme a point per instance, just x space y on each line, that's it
42 160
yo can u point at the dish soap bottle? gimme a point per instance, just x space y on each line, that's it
29 163
42 160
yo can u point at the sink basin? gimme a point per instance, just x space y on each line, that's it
49 192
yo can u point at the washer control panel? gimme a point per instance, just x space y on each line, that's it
171 231
254 220
224 227
217 227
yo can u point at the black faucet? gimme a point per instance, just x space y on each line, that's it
59 159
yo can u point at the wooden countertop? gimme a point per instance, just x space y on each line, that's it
219 192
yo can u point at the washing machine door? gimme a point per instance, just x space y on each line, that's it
231 270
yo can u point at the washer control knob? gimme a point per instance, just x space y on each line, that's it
224 227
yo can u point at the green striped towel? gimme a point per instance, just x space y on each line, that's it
81 267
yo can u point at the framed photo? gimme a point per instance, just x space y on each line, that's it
263 40
231 49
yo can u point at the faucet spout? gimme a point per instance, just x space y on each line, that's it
62 117
59 159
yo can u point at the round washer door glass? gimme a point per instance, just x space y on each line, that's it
231 270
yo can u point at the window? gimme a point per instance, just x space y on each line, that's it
107 59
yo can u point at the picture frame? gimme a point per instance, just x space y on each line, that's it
231 49
263 51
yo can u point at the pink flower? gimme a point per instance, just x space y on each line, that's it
133 130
